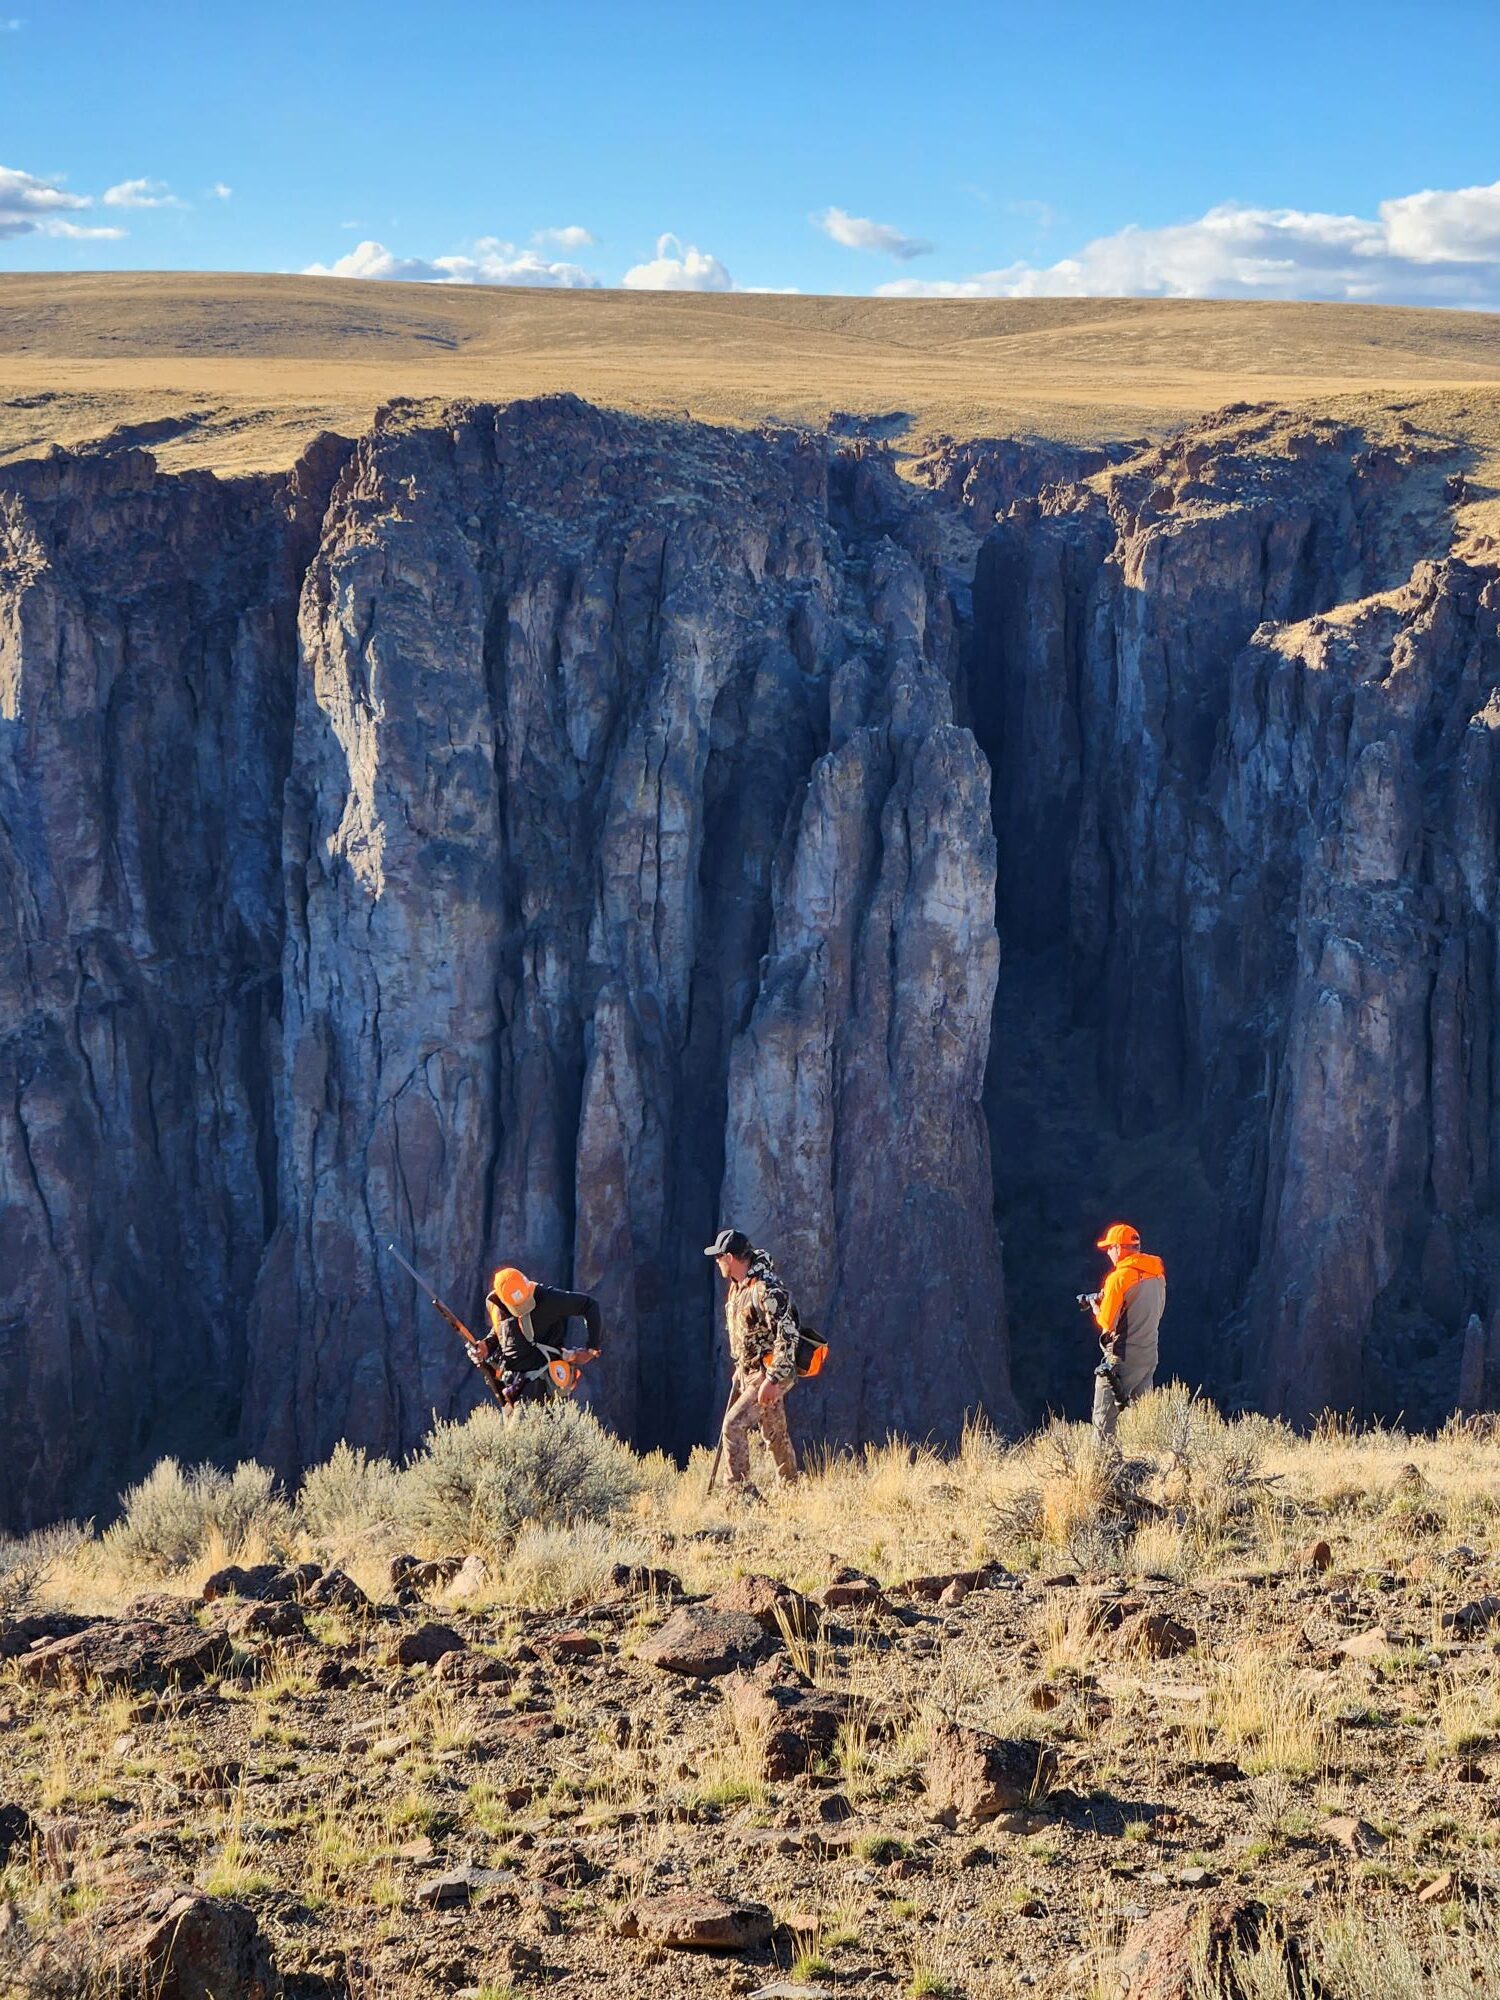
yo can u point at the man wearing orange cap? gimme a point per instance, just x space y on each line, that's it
525 1342
1128 1314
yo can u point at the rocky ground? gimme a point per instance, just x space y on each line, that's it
923 1726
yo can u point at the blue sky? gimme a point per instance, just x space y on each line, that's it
1321 150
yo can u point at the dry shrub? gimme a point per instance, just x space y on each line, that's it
175 1515
553 1567
350 1498
477 1483
1370 1949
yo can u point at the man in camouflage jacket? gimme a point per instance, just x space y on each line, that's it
762 1326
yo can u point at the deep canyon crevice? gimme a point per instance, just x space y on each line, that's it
540 832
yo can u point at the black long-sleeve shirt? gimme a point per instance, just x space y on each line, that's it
550 1309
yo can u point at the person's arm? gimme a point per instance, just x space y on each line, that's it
781 1347
1107 1312
560 1306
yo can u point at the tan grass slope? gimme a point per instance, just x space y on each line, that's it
236 371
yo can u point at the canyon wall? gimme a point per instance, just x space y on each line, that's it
539 835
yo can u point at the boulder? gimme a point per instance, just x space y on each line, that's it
470 1578
775 1606
20 1635
701 1643
424 1646
268 1583
332 1590
1315 1555
851 1590
140 1654
179 1944
691 1920
972 1776
797 1723
1162 1955
571 1646
468 1669
275 1618
1472 1618
641 1580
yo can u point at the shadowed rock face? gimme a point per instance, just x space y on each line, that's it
1262 840
540 836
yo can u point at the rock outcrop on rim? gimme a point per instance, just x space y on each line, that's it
542 833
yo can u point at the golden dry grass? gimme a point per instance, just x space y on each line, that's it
236 371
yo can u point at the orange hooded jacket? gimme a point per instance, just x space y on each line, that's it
1132 1302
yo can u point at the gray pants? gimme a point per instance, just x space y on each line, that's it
1134 1377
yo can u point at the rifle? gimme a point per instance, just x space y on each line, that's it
475 1346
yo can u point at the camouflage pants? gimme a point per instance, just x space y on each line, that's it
770 1420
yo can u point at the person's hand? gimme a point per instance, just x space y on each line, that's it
770 1392
582 1354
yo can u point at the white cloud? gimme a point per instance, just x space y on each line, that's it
82 233
678 268
573 237
29 206
1438 248
493 263
140 194
857 232
220 192
11 25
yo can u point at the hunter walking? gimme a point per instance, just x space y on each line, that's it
762 1325
1128 1314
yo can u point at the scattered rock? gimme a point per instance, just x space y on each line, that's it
334 1591
458 1887
471 1669
275 1619
1355 1836
701 1643
1371 1645
1315 1556
17 1831
1155 1635
424 1646
971 1776
774 1606
111 1653
1162 1955
851 1590
932 1589
267 1583
21 1635
161 1605
1472 1618
179 1944
797 1723
1441 1889
955 1593
689 1920
571 1646
469 1579
640 1580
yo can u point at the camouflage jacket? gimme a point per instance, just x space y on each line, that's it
762 1321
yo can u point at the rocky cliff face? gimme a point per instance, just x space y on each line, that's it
538 834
